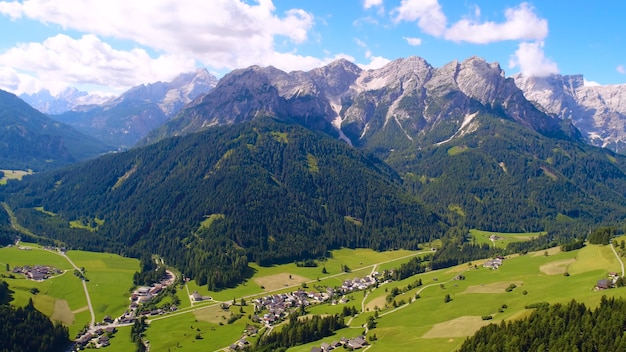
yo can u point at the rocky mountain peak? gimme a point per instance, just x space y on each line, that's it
480 80
397 73
599 112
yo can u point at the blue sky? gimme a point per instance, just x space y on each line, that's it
110 46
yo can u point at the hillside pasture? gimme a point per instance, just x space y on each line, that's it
278 281
556 267
502 238
13 175
276 277
460 327
595 257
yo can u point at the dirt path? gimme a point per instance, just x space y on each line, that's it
93 315
619 259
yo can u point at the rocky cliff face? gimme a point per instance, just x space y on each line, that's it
598 111
405 102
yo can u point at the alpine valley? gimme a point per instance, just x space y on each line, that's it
269 167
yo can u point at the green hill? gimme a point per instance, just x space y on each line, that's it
506 177
263 191
31 140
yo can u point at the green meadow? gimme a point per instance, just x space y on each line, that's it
285 277
502 238
13 175
419 320
62 297
428 323
110 280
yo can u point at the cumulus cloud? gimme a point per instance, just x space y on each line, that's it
372 3
61 61
521 24
375 62
223 34
620 69
590 83
427 13
531 60
413 41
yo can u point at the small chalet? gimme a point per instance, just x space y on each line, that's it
603 284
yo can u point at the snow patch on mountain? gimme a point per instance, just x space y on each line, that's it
462 130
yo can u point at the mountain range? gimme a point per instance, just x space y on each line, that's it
271 167
124 120
32 140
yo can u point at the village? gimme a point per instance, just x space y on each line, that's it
99 335
37 272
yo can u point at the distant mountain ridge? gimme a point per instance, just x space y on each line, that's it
64 101
598 111
124 120
32 140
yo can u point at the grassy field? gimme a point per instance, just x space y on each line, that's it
13 175
110 280
205 329
423 323
360 261
62 297
430 324
479 236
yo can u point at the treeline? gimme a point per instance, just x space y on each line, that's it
300 331
281 192
149 272
27 329
601 235
414 266
569 327
452 253
7 233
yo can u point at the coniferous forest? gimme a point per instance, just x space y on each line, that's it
559 327
268 192
27 329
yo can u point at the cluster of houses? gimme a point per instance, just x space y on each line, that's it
100 336
278 305
358 284
97 339
37 272
354 344
494 263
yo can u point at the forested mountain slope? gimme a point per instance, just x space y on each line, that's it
31 140
265 191
505 177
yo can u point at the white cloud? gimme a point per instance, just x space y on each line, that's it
372 3
413 41
620 69
223 34
61 61
521 24
532 61
590 83
375 62
427 13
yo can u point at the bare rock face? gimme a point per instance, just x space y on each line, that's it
598 111
406 101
